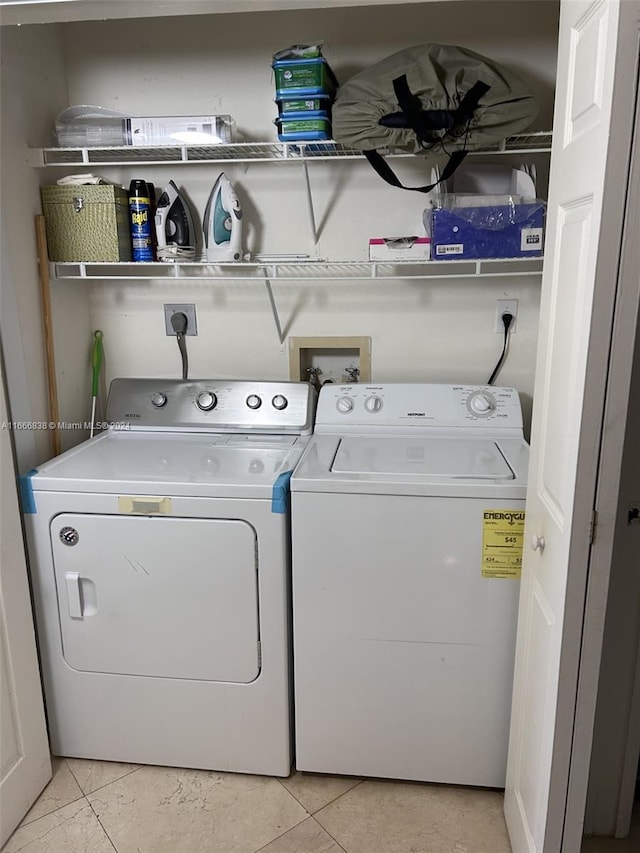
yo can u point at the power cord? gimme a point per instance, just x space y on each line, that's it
507 320
179 323
173 252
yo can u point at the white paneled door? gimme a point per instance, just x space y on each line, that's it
25 766
595 96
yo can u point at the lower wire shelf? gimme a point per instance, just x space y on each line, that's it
319 270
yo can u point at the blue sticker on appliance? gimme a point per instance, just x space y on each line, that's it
27 498
280 493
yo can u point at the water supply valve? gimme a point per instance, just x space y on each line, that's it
314 377
353 374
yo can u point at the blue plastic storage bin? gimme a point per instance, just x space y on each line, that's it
497 231
304 104
314 125
304 77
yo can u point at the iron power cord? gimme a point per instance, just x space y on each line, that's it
507 320
173 252
179 325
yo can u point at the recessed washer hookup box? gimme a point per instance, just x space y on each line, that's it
488 231
399 248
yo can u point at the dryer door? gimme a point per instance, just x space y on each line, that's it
168 597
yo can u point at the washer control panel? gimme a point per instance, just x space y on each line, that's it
217 405
415 404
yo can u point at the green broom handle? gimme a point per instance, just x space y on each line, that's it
96 361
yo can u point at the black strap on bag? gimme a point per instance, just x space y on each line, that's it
387 174
428 126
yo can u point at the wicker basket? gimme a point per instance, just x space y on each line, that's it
87 222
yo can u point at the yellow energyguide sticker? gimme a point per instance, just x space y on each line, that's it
502 538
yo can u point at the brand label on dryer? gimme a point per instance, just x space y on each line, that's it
502 538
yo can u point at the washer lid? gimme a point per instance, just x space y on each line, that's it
444 457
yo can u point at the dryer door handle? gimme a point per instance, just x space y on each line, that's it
74 594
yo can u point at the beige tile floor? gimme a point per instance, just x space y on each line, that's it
99 807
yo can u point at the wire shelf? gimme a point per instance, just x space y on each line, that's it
344 271
252 152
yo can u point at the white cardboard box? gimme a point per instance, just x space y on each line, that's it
172 130
399 248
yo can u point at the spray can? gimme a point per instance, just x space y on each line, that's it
141 221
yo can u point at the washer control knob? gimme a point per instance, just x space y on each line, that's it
280 402
344 405
373 403
206 401
481 403
253 401
158 399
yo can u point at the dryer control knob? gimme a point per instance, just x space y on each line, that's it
344 405
373 404
481 403
253 401
280 402
206 401
158 399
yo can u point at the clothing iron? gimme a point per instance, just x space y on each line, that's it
175 232
223 223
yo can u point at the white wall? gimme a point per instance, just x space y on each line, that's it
430 331
33 91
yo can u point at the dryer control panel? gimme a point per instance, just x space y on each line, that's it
419 405
213 404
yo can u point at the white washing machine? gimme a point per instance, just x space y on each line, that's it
159 553
407 524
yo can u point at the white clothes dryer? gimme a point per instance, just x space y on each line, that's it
159 553
407 526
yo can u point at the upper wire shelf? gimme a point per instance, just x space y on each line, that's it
256 152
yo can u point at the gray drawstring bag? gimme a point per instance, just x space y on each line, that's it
433 98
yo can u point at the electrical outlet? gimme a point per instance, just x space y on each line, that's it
506 306
189 310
